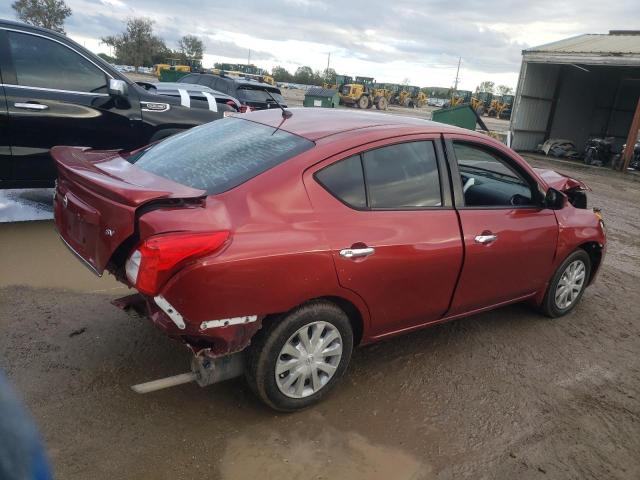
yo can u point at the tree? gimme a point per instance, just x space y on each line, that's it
43 13
304 75
330 76
137 45
486 86
281 74
504 90
191 47
107 58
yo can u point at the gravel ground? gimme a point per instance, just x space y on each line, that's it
506 394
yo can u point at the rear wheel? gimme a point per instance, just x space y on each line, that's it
294 362
567 285
363 102
382 103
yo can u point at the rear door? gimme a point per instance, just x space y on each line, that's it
58 96
5 148
510 240
392 230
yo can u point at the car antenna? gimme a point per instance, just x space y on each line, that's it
285 113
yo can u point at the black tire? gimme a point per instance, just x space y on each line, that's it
549 306
363 102
265 348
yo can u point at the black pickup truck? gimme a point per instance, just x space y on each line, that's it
55 92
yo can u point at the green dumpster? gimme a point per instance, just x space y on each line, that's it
171 75
460 116
321 97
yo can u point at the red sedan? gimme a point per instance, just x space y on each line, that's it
274 244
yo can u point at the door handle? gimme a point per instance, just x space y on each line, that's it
486 238
357 252
31 106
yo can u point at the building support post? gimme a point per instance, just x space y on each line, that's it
632 138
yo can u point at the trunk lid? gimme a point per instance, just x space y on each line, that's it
96 198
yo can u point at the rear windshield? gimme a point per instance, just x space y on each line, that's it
220 155
258 95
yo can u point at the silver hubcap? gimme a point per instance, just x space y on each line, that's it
570 284
308 360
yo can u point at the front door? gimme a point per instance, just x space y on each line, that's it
510 241
57 96
395 237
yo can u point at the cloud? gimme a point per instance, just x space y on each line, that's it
422 39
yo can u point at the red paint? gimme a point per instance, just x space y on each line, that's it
286 232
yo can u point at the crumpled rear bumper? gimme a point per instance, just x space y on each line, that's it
220 340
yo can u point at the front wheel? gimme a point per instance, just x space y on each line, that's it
296 360
567 285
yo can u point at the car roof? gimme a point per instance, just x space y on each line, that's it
237 80
26 26
316 123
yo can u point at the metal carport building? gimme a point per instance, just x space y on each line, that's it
577 88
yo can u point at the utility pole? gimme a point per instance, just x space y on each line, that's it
455 87
328 60
249 58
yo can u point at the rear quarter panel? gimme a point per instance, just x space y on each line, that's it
277 257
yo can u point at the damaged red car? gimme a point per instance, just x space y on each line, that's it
272 243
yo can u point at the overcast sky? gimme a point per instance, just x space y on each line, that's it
388 40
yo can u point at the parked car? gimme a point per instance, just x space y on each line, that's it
292 240
55 92
251 93
192 91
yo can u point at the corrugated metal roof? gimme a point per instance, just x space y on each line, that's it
618 44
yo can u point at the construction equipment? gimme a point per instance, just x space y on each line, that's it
501 107
361 93
339 82
418 97
484 99
458 97
175 69
380 95
402 96
260 77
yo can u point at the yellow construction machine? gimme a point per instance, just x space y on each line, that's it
362 94
501 107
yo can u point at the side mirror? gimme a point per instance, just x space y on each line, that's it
554 199
117 88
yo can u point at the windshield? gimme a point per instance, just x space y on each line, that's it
220 155
258 95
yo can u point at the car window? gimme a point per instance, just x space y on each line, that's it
345 180
402 176
220 155
488 180
207 81
43 63
250 94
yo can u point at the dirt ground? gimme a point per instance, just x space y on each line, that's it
503 395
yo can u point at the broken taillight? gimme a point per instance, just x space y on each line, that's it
153 261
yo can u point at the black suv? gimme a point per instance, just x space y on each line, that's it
249 92
55 92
